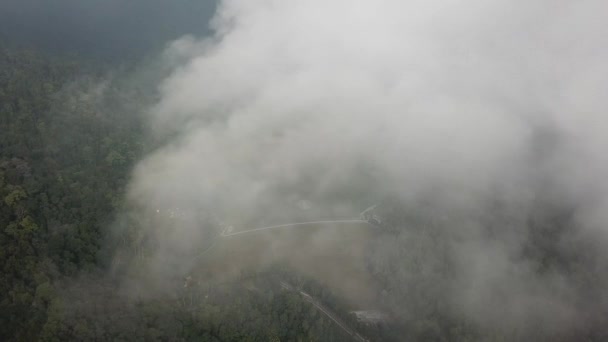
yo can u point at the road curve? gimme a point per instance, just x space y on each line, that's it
224 234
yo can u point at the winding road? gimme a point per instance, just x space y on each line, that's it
224 233
227 232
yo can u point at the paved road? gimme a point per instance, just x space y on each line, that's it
226 234
326 311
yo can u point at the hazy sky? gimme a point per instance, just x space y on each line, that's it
102 28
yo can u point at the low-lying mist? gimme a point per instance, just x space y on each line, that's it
478 127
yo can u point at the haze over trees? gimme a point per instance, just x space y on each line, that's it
132 154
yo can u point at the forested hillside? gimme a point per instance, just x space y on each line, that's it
63 163
68 139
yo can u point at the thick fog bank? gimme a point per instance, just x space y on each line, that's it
488 116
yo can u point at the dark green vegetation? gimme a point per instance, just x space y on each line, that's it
67 146
63 165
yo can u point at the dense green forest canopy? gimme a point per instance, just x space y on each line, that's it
65 156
